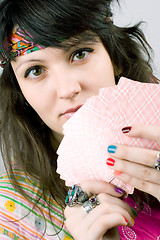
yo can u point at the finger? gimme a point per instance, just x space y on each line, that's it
144 131
107 208
143 185
106 222
92 187
117 202
102 198
98 228
138 171
139 155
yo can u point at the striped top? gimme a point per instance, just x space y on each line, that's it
19 220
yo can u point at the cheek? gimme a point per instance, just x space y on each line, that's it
104 75
34 98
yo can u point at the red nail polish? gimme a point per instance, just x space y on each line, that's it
126 220
110 162
118 173
126 129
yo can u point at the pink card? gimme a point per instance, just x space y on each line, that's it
97 124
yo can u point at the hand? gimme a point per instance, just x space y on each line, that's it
135 165
111 211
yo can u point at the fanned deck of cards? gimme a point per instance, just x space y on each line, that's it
97 124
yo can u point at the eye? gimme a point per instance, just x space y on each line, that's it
34 72
81 54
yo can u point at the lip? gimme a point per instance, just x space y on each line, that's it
71 111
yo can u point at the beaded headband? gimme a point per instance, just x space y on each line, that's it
19 44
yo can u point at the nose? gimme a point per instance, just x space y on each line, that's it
68 85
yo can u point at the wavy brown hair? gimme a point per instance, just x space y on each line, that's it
23 135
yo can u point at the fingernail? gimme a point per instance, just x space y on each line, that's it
133 221
118 173
119 190
126 220
111 149
134 212
126 129
110 162
158 157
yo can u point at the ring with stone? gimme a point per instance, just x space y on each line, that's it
157 164
90 204
75 196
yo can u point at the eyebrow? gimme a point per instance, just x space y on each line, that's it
29 60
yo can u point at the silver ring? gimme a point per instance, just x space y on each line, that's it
75 196
157 164
90 204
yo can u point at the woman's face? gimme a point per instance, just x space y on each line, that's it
57 82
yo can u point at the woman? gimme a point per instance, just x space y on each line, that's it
55 55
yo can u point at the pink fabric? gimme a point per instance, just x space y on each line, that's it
98 123
147 224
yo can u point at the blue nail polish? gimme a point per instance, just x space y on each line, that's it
112 149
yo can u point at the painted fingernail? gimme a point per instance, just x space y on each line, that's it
126 129
119 190
158 157
110 162
126 220
111 149
133 221
134 212
117 173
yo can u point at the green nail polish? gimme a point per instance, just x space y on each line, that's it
134 212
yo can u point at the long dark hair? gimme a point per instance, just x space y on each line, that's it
23 135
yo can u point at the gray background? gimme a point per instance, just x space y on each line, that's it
133 11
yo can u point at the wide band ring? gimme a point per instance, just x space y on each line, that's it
75 196
157 164
90 204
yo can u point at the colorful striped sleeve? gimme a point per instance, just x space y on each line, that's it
19 220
